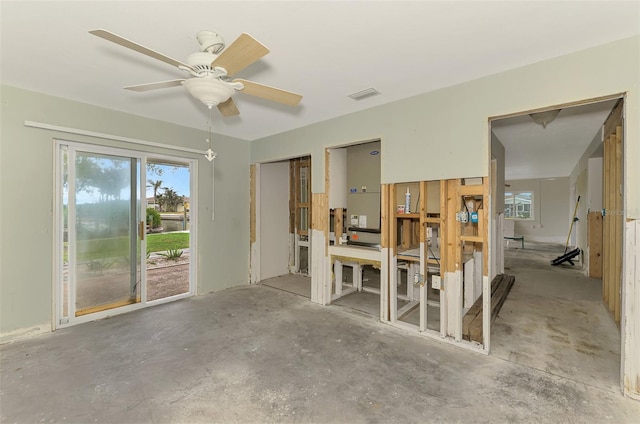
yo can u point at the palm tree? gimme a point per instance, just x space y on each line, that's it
171 199
155 185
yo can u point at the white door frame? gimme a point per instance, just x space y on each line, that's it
58 320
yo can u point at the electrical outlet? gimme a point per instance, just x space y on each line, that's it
436 282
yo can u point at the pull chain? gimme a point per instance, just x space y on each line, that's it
210 154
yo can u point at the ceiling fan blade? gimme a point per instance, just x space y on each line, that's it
114 38
154 85
241 53
228 108
269 93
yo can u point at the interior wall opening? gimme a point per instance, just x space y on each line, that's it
560 179
356 228
283 220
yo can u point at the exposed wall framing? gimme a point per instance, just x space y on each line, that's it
612 226
300 214
439 249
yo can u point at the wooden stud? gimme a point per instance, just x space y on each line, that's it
472 190
407 233
611 210
385 268
384 216
619 206
483 226
393 231
444 254
452 227
594 233
292 196
606 227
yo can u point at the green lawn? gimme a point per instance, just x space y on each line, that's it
119 246
165 241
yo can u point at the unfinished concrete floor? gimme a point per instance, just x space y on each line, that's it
554 320
255 354
293 283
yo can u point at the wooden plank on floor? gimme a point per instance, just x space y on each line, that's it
472 321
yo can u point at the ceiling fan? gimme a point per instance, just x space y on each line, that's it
211 69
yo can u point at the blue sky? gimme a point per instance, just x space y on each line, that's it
173 177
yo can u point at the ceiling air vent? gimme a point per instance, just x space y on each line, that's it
364 94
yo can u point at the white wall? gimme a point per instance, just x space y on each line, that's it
551 202
586 181
497 208
26 193
274 219
338 178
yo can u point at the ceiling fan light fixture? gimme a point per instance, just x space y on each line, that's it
209 91
545 118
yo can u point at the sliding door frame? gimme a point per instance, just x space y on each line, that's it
58 238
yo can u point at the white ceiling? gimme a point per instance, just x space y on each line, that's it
324 50
533 151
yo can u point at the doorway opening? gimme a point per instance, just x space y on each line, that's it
558 178
281 221
356 228
112 252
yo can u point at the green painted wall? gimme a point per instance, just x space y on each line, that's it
445 134
26 198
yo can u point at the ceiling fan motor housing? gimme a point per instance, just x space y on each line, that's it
200 63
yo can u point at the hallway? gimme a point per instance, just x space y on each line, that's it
554 320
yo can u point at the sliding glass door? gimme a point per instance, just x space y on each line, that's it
103 225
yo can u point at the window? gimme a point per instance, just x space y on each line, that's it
518 205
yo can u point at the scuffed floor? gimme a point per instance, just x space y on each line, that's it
554 320
255 354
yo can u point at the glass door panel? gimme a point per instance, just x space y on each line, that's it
104 247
